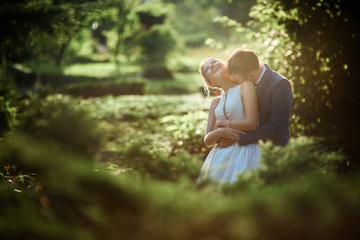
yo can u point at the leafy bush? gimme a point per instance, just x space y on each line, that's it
147 157
85 86
7 116
152 134
76 201
301 160
57 118
105 88
68 195
187 130
323 78
156 45
8 101
143 108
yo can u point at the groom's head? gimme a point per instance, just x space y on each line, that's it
242 65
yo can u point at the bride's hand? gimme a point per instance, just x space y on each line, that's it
219 123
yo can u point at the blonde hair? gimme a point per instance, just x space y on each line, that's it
242 62
205 65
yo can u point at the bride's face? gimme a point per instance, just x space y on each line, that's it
217 74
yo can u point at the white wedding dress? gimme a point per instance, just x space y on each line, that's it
223 165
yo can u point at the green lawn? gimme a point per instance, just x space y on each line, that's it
182 83
100 69
188 81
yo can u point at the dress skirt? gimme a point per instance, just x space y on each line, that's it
223 165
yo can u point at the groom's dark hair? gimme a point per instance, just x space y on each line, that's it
242 62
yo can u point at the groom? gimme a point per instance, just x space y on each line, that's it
274 98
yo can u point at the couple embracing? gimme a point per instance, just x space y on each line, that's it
255 105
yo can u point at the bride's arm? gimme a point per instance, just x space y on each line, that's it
250 104
212 136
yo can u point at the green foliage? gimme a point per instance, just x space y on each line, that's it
301 41
236 9
328 85
74 200
152 134
321 72
194 19
126 167
7 116
31 27
81 47
55 118
303 159
149 158
8 101
157 43
115 88
153 13
100 75
142 108
187 130
100 70
87 80
117 28
186 20
296 188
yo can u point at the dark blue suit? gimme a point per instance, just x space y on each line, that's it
275 101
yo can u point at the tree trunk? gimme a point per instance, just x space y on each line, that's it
61 53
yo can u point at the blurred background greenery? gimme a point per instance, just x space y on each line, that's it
102 118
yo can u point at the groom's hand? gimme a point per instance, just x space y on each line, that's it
229 137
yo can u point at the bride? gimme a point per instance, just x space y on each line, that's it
229 115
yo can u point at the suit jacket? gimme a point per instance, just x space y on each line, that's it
275 101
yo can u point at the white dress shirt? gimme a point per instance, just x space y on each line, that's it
263 71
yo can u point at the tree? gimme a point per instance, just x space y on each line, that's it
327 72
315 45
27 27
118 19
157 39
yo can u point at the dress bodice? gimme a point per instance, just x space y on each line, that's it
233 105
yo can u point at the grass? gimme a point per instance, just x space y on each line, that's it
189 82
100 69
184 82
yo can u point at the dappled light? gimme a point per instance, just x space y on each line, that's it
103 116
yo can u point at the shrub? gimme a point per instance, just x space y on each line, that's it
56 118
136 87
7 116
149 157
72 201
8 100
303 159
70 196
84 86
77 202
156 44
